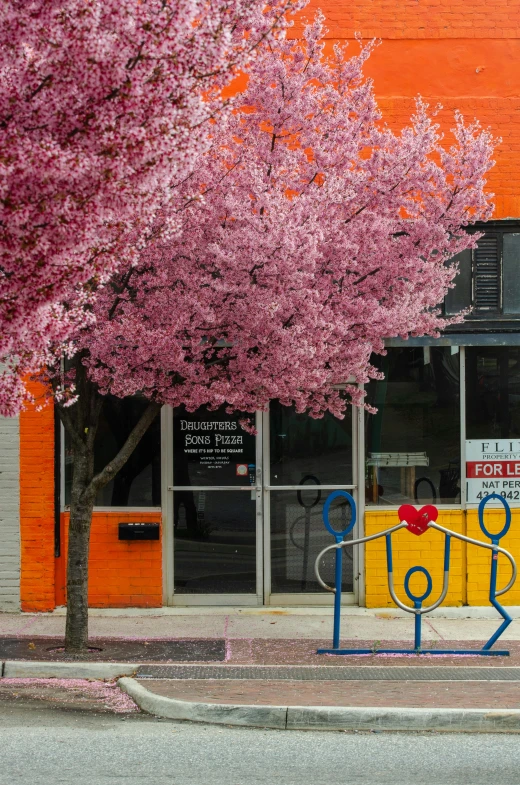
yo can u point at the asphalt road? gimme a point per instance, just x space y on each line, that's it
49 746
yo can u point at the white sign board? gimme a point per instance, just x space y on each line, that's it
493 466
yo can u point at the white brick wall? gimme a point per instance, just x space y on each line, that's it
9 514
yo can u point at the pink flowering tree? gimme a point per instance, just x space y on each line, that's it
103 109
310 233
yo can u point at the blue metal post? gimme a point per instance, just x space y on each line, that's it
337 596
494 568
418 626
389 565
495 540
418 600
338 572
492 598
447 546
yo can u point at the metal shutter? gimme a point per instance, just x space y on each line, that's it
486 274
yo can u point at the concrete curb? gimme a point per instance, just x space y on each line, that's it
392 719
15 669
324 718
215 713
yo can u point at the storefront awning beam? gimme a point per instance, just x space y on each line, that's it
259 488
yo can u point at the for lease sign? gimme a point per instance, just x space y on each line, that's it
493 466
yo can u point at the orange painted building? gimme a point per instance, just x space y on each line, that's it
255 542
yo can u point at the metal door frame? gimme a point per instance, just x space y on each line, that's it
262 490
168 541
357 489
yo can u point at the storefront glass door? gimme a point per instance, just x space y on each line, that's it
246 510
305 459
215 507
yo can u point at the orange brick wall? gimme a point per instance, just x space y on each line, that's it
412 19
37 505
121 573
459 53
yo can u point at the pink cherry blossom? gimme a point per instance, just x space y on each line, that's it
310 233
103 109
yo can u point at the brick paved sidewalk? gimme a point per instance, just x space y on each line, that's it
399 694
327 685
253 651
258 651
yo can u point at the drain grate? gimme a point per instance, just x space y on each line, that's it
328 673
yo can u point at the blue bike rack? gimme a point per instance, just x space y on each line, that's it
418 527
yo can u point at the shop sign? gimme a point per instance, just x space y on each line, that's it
214 443
493 466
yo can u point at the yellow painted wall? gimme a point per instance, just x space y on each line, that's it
470 565
479 560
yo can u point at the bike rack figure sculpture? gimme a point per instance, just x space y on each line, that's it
417 522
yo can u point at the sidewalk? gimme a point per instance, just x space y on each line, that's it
260 667
243 636
245 624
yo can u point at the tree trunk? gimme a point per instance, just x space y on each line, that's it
81 422
81 508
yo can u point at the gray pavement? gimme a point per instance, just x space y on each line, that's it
49 747
249 623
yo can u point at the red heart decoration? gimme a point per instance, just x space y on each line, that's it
417 520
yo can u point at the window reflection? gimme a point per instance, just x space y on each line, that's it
138 484
301 445
215 553
308 453
493 392
413 441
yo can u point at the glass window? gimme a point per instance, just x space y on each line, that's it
309 453
138 484
212 448
215 531
493 392
413 441
511 279
215 542
301 445
459 298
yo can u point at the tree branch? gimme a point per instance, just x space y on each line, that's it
364 277
42 84
124 283
111 469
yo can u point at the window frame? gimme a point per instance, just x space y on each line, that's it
369 507
65 508
463 504
479 315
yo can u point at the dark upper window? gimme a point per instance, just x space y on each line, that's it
493 392
138 484
488 281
